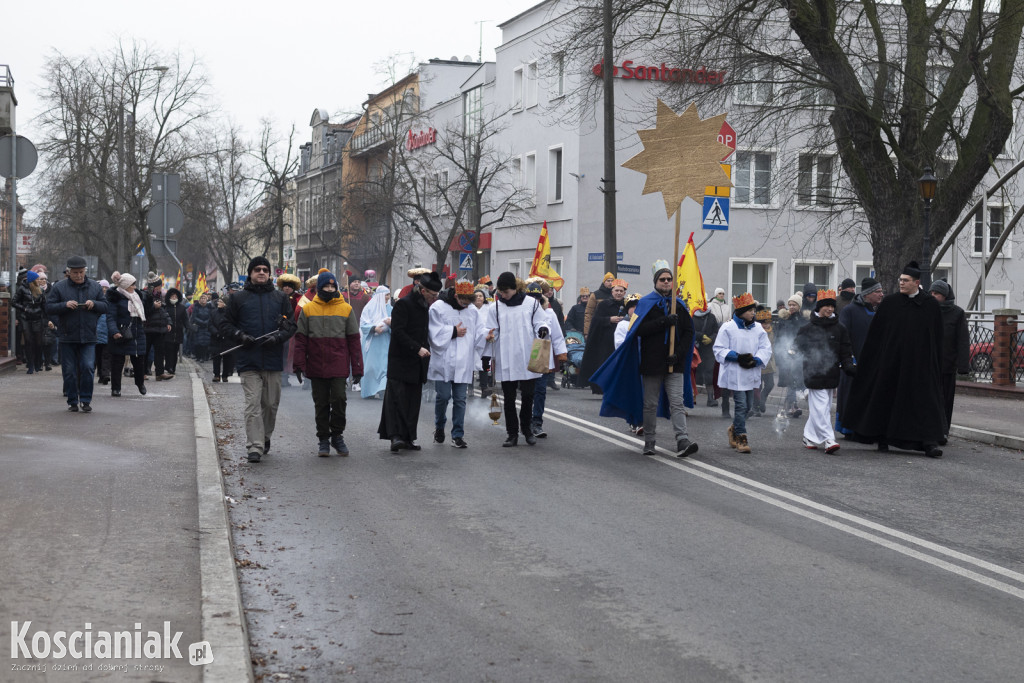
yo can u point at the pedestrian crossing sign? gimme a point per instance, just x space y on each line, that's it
465 261
716 213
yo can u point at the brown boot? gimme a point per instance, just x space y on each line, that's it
741 444
732 439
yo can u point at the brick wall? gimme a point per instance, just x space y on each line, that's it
1003 372
5 319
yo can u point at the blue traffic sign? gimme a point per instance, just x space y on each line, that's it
466 240
465 261
599 256
624 268
716 213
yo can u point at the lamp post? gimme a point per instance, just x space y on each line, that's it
926 184
120 164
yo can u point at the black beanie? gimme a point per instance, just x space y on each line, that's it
257 261
847 283
913 270
506 281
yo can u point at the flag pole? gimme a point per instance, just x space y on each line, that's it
675 274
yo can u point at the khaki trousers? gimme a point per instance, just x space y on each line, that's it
262 390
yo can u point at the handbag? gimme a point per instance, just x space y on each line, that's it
125 329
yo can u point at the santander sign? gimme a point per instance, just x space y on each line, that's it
420 139
631 71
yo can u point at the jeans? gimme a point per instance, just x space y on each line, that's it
540 395
78 363
742 401
455 392
652 393
329 402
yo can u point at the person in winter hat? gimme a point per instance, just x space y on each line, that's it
956 346
327 350
742 348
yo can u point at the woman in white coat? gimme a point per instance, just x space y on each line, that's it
512 324
742 348
375 329
456 343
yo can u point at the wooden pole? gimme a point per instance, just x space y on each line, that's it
672 306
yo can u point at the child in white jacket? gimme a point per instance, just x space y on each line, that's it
742 348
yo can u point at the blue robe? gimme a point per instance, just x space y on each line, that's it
619 376
375 359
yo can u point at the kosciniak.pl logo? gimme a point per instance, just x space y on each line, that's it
101 644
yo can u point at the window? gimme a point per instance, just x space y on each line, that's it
752 175
440 192
756 90
517 88
986 236
514 266
558 75
811 93
754 277
814 181
472 111
532 80
554 175
861 271
517 172
818 273
556 265
869 74
530 177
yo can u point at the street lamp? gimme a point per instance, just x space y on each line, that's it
120 163
926 184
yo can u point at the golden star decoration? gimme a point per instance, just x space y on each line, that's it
681 156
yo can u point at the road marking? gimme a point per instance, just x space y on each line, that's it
760 491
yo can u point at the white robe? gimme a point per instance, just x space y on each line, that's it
515 328
453 359
557 338
753 341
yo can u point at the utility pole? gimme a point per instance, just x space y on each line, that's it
607 77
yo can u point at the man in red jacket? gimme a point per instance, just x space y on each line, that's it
327 348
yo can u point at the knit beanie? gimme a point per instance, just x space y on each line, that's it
31 276
324 279
506 281
868 285
257 261
943 288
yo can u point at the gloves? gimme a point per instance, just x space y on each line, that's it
671 319
850 370
275 338
356 379
746 361
485 363
705 340
672 359
298 375
248 341
542 333
732 356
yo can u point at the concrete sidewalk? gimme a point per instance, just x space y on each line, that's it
115 521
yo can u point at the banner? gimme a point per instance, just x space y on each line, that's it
200 287
689 280
541 265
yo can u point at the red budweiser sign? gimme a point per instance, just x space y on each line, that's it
420 139
630 71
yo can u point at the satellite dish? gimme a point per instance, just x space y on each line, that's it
453 59
467 58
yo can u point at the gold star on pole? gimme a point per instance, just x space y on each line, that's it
682 155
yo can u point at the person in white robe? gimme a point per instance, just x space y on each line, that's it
375 330
512 325
457 340
558 354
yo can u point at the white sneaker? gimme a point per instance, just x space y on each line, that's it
356 387
831 447
810 445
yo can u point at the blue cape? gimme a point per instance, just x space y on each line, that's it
619 376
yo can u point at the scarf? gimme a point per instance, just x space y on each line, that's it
135 308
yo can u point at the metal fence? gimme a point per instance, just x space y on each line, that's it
982 341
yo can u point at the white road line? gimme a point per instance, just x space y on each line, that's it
745 485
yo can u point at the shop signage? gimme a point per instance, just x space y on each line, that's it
420 139
632 71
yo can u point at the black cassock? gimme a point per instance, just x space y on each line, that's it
401 410
407 371
897 393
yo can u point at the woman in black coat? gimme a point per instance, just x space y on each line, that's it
126 336
177 316
601 340
202 328
30 302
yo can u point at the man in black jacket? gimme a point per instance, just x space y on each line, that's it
78 302
260 319
408 360
956 346
661 370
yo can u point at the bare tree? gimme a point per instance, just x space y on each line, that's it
889 88
277 160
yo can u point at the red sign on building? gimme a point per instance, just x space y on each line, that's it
631 71
420 139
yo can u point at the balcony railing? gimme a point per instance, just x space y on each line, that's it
369 141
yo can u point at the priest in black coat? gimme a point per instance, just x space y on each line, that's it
896 398
408 359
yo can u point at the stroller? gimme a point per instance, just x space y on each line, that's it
575 345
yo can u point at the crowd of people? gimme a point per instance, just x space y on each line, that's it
888 362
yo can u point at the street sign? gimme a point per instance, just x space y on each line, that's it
27 157
720 190
166 187
727 136
26 243
466 240
599 256
466 261
631 270
155 219
716 213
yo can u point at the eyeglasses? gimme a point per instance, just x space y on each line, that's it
261 269
905 280
665 279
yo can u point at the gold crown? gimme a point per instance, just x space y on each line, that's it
618 282
826 294
743 300
764 314
464 288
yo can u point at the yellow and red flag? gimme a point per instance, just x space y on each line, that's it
541 265
689 281
200 287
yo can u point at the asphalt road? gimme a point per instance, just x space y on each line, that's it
582 560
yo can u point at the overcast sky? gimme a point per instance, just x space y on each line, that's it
264 59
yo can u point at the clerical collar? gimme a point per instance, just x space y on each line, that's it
916 292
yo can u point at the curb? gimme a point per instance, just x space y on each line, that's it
223 619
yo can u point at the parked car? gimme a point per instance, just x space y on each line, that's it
981 355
